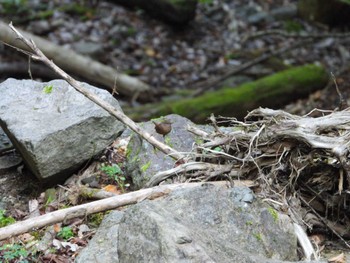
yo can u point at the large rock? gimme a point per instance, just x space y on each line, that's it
57 131
203 224
104 245
144 161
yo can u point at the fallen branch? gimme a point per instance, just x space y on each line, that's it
187 167
37 54
295 35
93 207
21 69
80 65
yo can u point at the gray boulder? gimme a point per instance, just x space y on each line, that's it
144 161
104 244
203 224
56 130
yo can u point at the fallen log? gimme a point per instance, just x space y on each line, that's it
93 207
80 65
175 12
272 92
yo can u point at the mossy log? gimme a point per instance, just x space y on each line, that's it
273 91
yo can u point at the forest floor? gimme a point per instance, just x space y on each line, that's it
179 57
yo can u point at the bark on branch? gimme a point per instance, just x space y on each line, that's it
92 207
30 48
80 65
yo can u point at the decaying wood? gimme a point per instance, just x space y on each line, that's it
187 167
272 91
37 54
93 207
287 154
325 221
80 65
21 69
93 193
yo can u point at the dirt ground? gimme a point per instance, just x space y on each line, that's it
164 56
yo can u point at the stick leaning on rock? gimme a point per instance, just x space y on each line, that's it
36 54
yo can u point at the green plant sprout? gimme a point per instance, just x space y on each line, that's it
249 223
218 149
48 89
273 213
258 236
145 166
167 141
96 219
13 253
114 172
65 233
5 220
111 170
14 6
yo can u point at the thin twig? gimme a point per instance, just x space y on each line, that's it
295 35
37 54
324 221
342 102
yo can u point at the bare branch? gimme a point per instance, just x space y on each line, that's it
37 54
93 207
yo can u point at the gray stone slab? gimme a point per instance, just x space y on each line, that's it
57 131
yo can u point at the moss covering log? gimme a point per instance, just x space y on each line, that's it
273 91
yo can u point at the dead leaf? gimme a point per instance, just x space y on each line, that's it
57 228
112 189
55 258
150 52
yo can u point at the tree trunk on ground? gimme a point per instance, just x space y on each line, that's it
272 91
82 66
174 12
330 12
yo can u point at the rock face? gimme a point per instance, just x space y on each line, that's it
56 130
104 245
203 224
144 161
